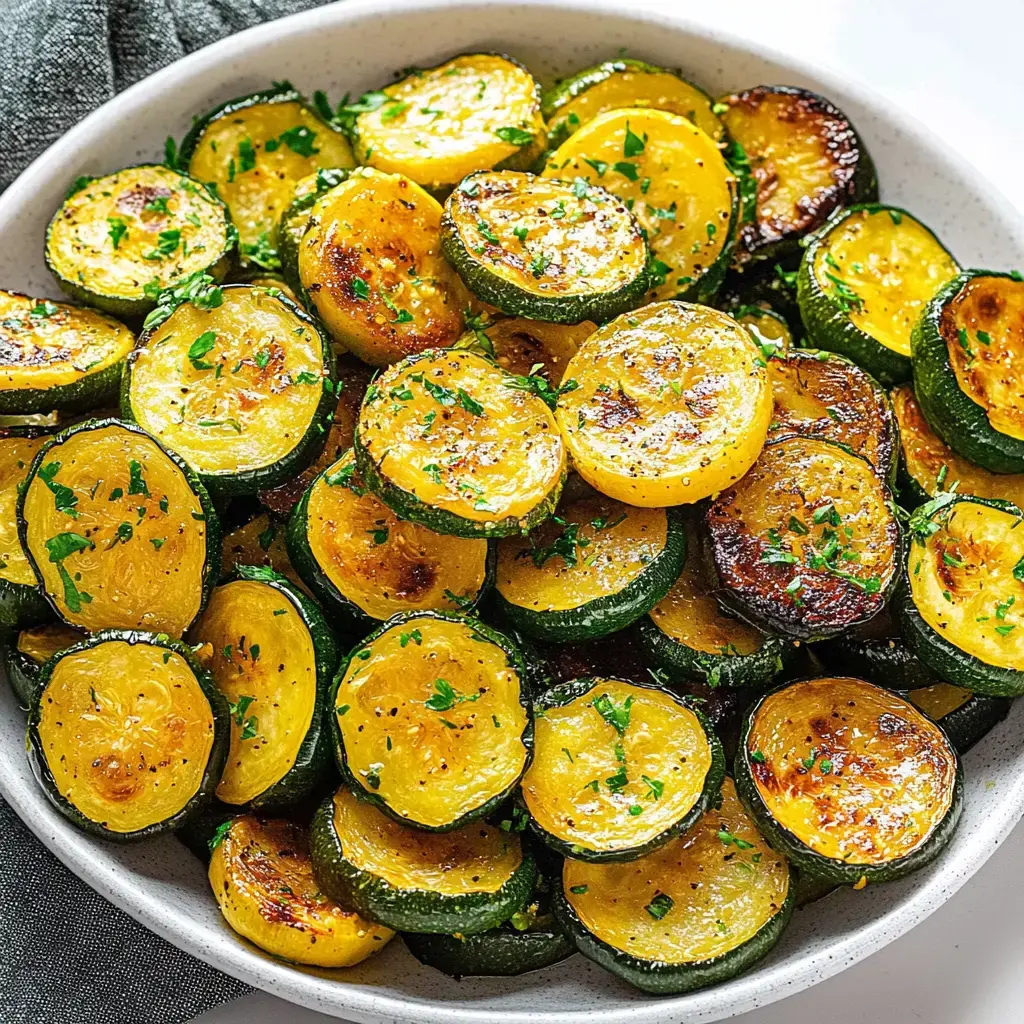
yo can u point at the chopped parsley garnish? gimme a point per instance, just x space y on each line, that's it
616 715
514 136
64 498
116 230
445 696
660 905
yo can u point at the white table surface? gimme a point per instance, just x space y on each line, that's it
957 66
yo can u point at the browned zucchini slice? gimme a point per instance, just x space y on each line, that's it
260 541
806 160
671 404
850 780
806 544
472 113
528 347
371 263
824 394
619 768
262 878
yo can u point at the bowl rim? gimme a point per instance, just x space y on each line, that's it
242 961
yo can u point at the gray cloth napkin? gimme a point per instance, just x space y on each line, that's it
66 955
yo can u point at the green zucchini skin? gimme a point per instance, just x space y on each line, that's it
559 309
958 420
885 661
516 661
411 910
306 565
314 755
498 953
211 567
731 671
91 391
609 614
828 326
972 721
21 671
214 766
829 869
566 693
659 978
22 605
306 450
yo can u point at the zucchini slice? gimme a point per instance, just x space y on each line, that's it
370 261
529 347
295 218
806 544
589 571
769 329
672 403
964 593
262 877
260 542
966 717
864 279
430 720
696 912
449 440
825 394
674 179
54 356
21 603
119 530
472 113
24 655
118 241
242 391
852 782
252 150
687 634
464 882
273 657
806 161
128 735
764 284
621 84
367 564
545 248
968 359
929 465
530 940
620 768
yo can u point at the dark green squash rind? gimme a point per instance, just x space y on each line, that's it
886 662
214 765
90 391
496 953
415 910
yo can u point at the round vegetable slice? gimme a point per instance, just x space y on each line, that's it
20 601
261 875
128 734
929 466
852 782
253 150
545 248
806 544
367 564
694 913
528 347
430 722
530 940
864 279
806 161
472 113
589 571
24 654
966 717
295 218
466 881
689 636
676 182
968 356
449 440
620 768
618 84
671 404
54 356
259 542
825 394
273 657
117 241
768 328
242 391
963 610
120 532
370 261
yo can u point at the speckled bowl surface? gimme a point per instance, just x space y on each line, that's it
355 46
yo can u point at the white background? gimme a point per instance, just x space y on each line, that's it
957 65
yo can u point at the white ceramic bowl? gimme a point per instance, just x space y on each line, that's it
356 46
